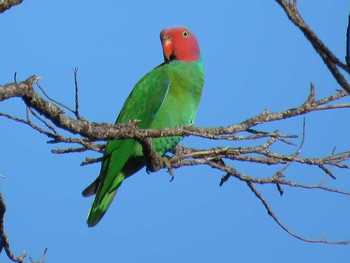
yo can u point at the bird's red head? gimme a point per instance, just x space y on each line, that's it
179 43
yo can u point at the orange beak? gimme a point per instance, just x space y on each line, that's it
167 47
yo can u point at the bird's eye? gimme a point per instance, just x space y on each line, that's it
185 33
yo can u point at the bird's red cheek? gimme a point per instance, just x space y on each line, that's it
167 48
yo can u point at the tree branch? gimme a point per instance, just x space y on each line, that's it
104 131
331 61
275 218
7 4
3 238
51 118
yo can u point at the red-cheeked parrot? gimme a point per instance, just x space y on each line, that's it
166 96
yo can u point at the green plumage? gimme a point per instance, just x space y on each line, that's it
166 96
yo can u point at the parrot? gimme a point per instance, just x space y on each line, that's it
166 96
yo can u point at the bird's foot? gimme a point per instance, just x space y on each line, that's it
167 164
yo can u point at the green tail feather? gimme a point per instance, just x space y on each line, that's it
99 208
101 203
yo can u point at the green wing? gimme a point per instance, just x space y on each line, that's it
119 159
146 98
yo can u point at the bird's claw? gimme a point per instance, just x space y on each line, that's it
167 164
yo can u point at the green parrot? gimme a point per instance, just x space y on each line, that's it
166 96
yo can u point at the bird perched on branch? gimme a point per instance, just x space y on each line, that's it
166 96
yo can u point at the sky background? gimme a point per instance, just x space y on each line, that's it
254 58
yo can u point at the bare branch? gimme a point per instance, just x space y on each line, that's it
53 100
76 112
104 131
55 120
4 240
86 133
91 161
27 122
331 61
7 4
48 125
347 57
275 218
41 260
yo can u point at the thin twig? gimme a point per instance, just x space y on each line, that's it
41 260
91 161
347 57
48 125
296 153
27 122
76 112
53 100
286 229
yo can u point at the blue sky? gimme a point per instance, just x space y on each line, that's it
254 58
